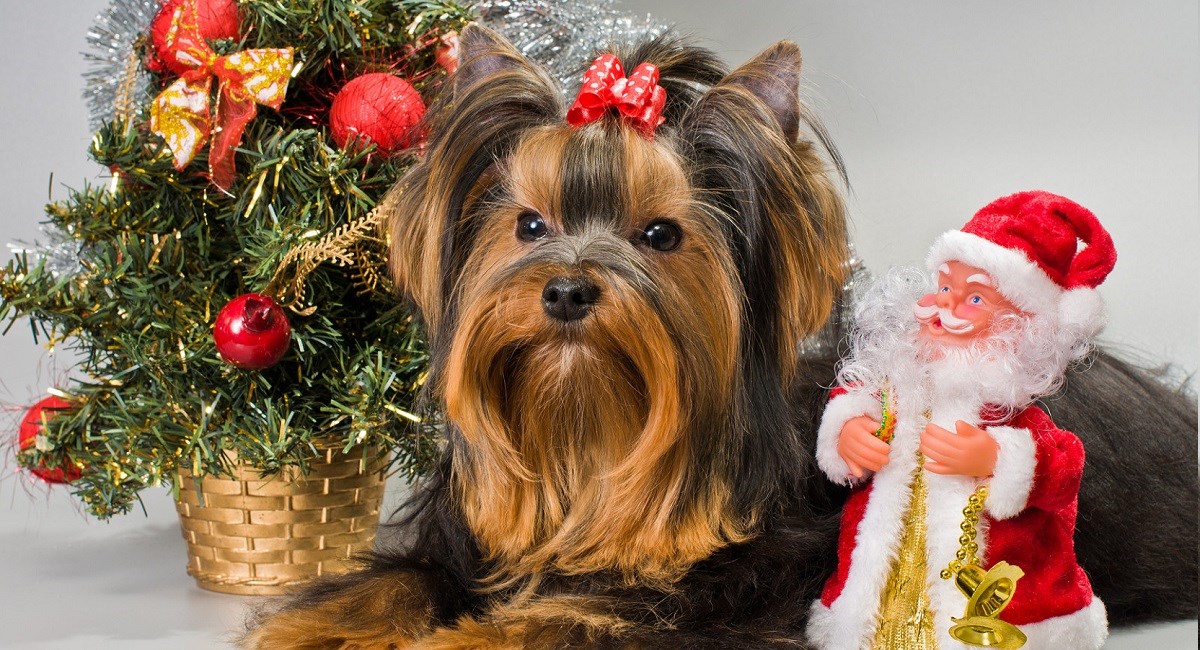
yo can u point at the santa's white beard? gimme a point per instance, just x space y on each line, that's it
1019 359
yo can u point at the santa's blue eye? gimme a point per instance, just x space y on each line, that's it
975 300
945 289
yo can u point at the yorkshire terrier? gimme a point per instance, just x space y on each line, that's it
615 310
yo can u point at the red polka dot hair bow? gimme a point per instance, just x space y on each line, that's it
638 98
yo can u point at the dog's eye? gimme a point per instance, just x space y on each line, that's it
662 236
530 226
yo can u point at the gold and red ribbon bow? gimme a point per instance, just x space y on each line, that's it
638 98
181 113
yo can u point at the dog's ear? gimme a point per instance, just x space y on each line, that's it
788 229
493 97
774 78
483 53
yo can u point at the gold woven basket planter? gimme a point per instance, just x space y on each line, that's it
260 537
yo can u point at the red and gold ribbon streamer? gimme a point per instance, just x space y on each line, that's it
638 98
181 113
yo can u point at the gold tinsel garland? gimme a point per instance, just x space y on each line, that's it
359 244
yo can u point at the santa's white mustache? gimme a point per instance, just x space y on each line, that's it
949 321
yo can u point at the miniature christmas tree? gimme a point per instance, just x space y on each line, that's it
229 190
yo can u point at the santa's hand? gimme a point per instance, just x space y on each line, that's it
858 446
972 452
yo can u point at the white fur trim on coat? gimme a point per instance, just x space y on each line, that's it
838 412
1017 278
822 631
1012 480
1085 629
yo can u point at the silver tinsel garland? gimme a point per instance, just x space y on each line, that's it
117 83
564 36
59 251
825 341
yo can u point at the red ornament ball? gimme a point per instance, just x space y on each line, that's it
215 18
252 332
379 107
32 426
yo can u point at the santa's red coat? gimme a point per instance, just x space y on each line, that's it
1028 521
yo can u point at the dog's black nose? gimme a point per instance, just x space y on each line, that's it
569 299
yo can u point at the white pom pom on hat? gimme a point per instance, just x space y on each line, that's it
1029 243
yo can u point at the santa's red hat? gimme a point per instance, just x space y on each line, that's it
1029 242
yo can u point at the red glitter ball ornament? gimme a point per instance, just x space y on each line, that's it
216 18
32 426
252 332
379 107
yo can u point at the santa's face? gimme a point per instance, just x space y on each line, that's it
964 306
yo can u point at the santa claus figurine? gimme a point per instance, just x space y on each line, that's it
934 426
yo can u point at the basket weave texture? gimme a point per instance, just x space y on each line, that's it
250 536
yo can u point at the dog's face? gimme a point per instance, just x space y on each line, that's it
604 308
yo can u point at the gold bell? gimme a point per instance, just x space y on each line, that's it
987 594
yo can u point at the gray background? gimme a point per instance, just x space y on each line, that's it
938 107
